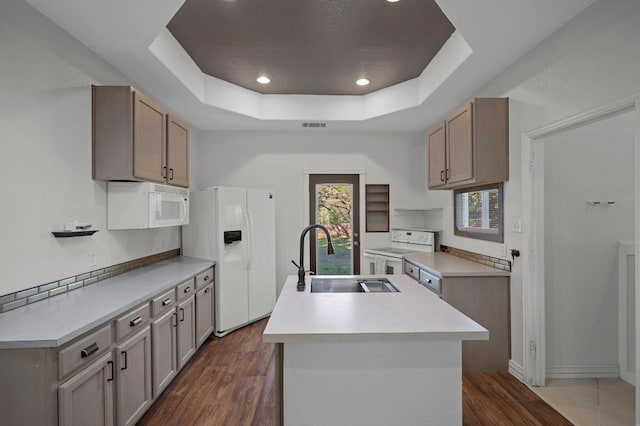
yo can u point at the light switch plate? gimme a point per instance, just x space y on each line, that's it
517 226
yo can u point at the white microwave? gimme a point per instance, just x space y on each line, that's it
142 205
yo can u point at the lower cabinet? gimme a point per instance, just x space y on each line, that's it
111 374
484 299
186 330
133 377
164 344
204 314
87 397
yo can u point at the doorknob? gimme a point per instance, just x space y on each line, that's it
355 235
356 243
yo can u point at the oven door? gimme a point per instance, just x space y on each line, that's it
392 266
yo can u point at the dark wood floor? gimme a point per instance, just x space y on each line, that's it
230 381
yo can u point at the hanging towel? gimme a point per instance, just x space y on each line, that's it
380 265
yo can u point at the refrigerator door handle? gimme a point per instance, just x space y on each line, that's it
250 242
247 246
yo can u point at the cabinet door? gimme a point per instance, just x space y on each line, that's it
149 140
204 313
87 397
459 131
177 152
436 146
186 331
133 386
164 343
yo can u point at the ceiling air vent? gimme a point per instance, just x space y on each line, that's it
315 125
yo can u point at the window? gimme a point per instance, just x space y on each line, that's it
478 212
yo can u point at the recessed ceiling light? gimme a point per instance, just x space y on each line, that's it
392 1
263 79
362 82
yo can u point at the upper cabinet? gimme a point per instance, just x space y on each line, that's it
177 152
135 139
471 146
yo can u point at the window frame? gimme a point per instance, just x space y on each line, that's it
497 237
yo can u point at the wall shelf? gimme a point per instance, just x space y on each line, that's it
377 207
68 234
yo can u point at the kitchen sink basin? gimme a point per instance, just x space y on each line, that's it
352 285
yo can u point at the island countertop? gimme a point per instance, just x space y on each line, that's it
412 313
447 265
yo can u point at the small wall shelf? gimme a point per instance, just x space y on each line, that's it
67 234
377 207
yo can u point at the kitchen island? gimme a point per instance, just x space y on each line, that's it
368 358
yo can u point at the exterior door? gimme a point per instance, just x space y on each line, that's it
334 201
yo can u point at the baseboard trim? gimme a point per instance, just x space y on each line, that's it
583 372
516 370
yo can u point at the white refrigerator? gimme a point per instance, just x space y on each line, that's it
235 227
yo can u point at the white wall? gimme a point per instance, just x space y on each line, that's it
593 162
593 58
277 161
45 140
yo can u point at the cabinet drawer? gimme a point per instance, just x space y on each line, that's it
430 281
412 270
163 302
84 351
133 321
204 278
185 289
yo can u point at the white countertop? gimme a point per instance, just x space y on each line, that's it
413 313
55 321
446 265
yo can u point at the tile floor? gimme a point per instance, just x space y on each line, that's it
587 402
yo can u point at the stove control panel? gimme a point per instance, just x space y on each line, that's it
410 236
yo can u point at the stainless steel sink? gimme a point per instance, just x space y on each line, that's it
351 285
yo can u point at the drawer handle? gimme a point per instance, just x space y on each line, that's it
206 277
166 302
207 290
89 350
187 289
137 320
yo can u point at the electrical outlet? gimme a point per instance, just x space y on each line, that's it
502 252
517 226
92 259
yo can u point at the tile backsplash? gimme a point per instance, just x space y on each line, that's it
44 291
494 262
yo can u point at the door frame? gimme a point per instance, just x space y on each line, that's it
306 197
533 284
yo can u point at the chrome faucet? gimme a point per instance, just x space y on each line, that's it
300 266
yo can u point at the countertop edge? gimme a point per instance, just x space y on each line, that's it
370 337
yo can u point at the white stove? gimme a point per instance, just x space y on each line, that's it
404 241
